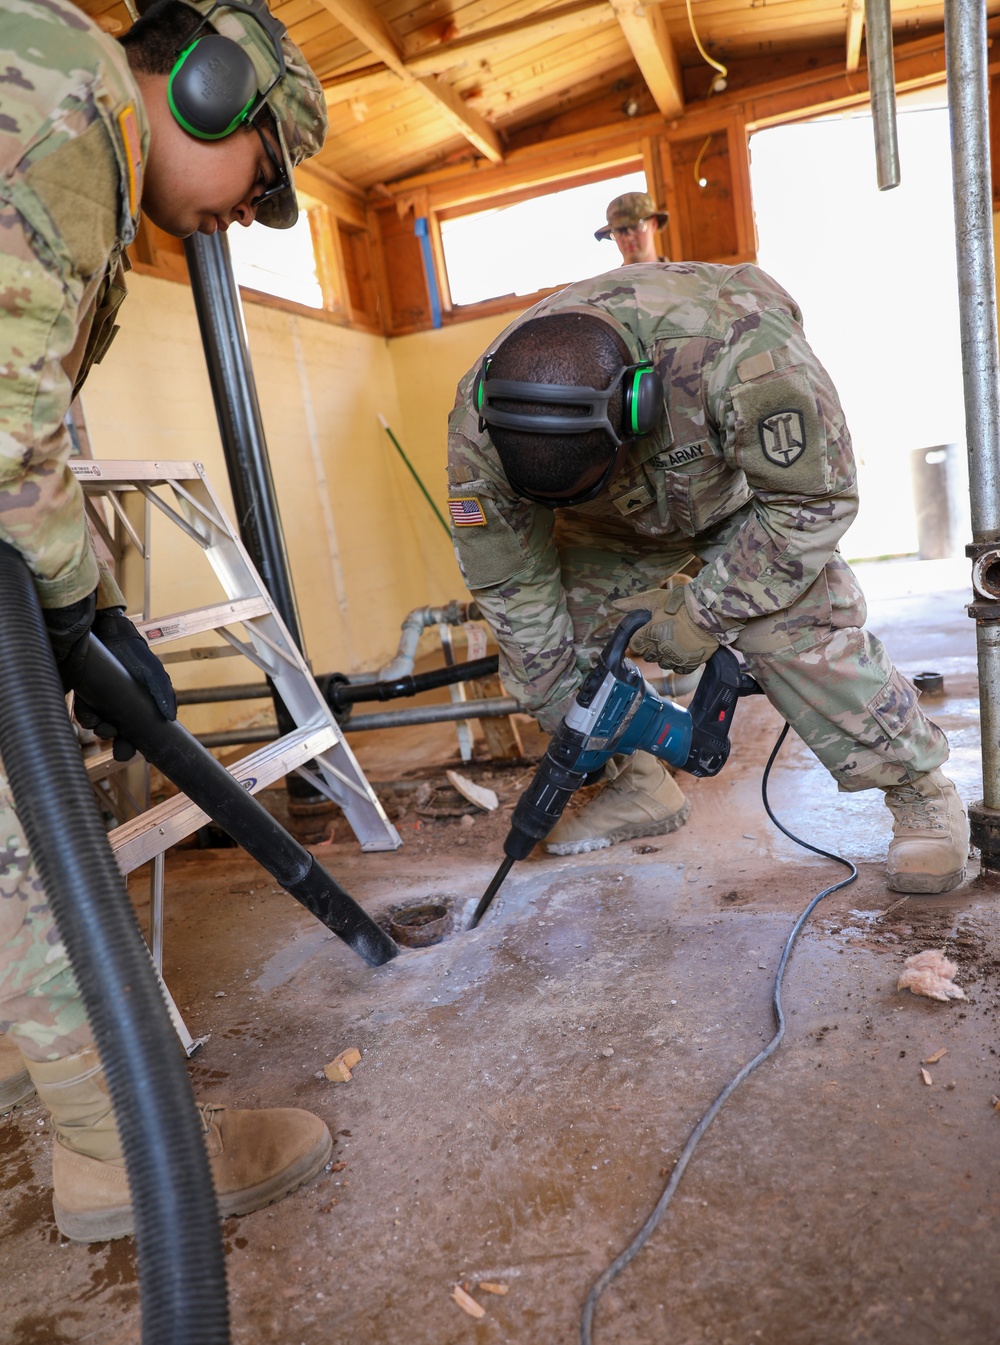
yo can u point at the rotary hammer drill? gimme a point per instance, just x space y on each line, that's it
616 712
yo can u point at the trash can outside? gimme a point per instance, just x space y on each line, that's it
937 489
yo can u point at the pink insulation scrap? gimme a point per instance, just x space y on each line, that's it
930 973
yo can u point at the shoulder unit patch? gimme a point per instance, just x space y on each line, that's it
782 437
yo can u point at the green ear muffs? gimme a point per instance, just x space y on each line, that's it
212 87
642 403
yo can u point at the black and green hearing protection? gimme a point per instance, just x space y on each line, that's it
212 89
642 403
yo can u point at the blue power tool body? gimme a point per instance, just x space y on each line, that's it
617 712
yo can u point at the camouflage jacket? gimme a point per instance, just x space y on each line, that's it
73 140
751 416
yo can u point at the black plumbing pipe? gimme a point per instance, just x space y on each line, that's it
339 692
223 334
182 1274
219 308
108 689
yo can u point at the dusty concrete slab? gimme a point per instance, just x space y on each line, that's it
525 1089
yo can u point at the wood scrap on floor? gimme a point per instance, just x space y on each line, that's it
339 1068
467 1303
477 794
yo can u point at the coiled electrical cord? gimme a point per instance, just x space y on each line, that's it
649 1227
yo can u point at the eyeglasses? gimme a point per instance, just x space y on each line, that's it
639 227
280 182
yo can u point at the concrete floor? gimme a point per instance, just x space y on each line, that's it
525 1089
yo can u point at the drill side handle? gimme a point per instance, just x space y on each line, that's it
712 709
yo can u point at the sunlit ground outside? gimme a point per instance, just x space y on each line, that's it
875 275
534 244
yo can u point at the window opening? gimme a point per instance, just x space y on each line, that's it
533 245
278 261
875 276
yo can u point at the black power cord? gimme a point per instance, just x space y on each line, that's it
649 1227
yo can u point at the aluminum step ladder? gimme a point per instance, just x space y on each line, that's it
120 497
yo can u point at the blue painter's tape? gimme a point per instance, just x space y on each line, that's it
423 233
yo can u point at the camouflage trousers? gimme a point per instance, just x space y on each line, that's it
832 680
40 1006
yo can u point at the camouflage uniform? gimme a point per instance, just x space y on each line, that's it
73 140
751 471
73 143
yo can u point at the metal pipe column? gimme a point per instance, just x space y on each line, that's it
968 103
223 334
882 91
230 373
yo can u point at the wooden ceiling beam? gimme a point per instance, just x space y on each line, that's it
855 27
369 79
368 26
646 33
487 45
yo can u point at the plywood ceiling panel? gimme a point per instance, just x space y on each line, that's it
513 63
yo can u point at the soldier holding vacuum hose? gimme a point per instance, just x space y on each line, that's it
91 130
663 437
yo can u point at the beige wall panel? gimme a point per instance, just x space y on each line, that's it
427 367
364 546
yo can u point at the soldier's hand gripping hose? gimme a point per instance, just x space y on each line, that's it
67 629
617 712
118 635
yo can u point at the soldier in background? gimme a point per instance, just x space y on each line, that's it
88 135
633 222
727 459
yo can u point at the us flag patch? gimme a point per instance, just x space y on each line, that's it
466 512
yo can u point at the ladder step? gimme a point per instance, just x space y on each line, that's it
136 842
100 765
182 624
115 474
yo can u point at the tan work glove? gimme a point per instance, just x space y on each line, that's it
673 639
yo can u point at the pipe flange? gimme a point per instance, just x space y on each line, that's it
986 571
986 612
929 683
328 685
420 926
984 833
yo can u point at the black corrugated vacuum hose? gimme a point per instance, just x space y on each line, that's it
182 1273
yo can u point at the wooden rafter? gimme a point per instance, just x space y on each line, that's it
368 26
490 43
645 31
855 27
487 45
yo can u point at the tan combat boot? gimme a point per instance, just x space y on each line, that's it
256 1157
15 1082
930 835
641 798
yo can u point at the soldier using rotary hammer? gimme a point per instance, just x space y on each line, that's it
663 437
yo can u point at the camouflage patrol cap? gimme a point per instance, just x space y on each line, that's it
296 103
630 209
